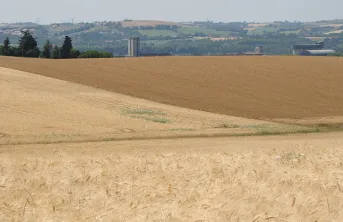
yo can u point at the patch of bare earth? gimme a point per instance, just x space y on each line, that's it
250 87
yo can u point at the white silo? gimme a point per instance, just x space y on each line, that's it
134 47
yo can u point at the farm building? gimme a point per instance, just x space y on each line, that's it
258 52
323 52
300 49
312 50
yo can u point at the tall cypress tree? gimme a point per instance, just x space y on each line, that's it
6 49
56 52
66 48
47 50
28 45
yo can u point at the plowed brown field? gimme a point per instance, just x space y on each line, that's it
254 87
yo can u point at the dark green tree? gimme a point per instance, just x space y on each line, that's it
47 50
74 53
96 54
56 52
66 48
6 49
28 45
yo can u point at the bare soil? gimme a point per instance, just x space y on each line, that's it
250 87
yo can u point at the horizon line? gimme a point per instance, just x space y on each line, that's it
157 20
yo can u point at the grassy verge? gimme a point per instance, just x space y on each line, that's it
153 119
261 132
147 114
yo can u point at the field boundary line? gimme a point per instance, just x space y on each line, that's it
200 136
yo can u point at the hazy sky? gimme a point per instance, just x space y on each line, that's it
173 10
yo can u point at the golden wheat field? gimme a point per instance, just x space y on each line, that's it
295 178
171 139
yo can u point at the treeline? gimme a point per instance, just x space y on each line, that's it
28 47
272 45
232 27
337 54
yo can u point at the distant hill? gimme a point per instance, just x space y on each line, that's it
176 37
133 23
210 29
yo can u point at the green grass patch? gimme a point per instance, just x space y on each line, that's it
257 126
291 32
262 30
157 42
227 126
158 120
270 133
153 119
281 129
181 129
207 31
193 30
149 112
329 126
154 32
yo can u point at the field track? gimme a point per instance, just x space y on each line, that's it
253 87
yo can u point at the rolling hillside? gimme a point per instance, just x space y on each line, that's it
38 109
